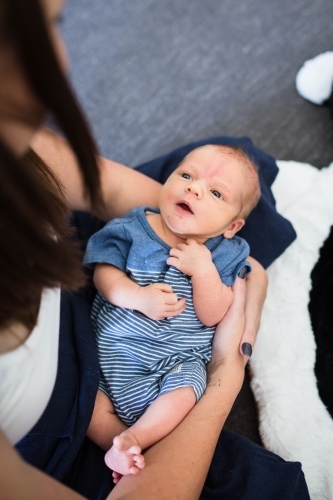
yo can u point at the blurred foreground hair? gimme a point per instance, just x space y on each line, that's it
35 250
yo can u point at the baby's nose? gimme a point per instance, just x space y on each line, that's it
194 188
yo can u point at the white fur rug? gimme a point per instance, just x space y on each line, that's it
294 422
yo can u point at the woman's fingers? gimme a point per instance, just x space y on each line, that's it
255 297
235 316
229 331
246 344
246 347
238 305
248 338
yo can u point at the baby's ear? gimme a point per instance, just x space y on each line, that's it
233 228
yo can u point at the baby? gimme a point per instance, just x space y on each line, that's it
164 280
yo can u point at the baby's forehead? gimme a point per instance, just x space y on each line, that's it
217 161
213 152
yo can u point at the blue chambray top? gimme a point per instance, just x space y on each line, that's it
130 244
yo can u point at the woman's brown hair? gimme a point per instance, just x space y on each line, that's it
35 251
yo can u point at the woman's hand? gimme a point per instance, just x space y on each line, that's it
256 288
239 327
229 331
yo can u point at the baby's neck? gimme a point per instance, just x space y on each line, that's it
156 223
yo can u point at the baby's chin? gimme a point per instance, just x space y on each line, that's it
184 235
178 226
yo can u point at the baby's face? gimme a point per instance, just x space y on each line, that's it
203 196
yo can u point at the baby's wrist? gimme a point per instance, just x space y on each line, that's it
203 272
138 298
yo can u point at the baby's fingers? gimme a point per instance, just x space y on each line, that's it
176 309
175 252
172 261
170 299
164 287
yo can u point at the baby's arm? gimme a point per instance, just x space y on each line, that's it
157 300
211 297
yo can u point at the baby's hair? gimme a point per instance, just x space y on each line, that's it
252 196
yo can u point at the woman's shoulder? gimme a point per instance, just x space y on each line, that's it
12 336
16 334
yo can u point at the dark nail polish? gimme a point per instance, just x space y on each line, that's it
247 349
243 272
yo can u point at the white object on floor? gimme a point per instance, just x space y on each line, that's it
293 421
315 78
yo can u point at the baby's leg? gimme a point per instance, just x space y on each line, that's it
162 416
105 425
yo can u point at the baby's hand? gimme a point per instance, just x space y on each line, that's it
190 257
157 301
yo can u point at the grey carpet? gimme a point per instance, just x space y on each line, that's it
153 75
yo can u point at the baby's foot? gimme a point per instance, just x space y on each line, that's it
125 456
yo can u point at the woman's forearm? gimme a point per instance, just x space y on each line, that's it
177 466
21 481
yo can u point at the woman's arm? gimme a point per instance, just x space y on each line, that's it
21 481
177 466
122 188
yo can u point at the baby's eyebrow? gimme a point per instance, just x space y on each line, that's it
188 166
223 187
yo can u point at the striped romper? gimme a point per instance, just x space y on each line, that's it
141 358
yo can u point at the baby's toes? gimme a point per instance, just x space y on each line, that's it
139 461
116 477
134 470
134 450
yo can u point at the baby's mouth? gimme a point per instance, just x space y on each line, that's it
185 207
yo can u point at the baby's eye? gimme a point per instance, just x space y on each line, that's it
217 194
186 176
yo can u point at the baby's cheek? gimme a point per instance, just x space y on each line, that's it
169 199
